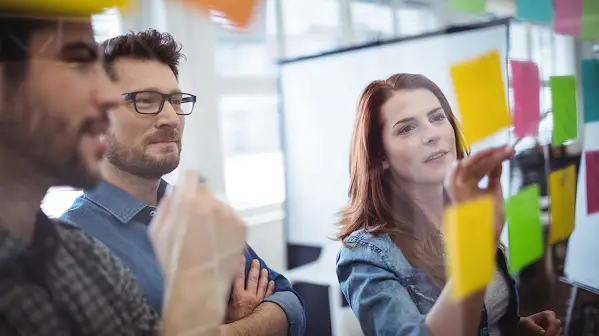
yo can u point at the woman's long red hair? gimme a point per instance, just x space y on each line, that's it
370 196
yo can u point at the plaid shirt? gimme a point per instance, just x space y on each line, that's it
67 283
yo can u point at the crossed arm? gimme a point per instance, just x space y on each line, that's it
264 304
267 319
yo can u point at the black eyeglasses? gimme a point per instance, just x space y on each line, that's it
152 102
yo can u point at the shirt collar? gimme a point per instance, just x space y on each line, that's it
118 202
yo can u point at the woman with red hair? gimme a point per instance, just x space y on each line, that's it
408 160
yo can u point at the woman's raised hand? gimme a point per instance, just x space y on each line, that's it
462 181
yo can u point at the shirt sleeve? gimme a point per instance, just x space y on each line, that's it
381 303
284 296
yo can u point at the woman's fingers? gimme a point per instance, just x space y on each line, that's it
474 171
478 156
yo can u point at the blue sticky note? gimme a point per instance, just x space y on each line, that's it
590 89
539 11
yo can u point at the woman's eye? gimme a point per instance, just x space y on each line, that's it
438 117
405 129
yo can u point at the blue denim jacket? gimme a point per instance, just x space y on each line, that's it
120 221
390 297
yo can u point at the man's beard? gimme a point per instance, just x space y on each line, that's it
137 162
46 143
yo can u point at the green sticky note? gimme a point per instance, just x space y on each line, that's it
525 232
469 6
589 23
563 103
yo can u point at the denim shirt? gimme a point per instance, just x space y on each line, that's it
390 297
120 221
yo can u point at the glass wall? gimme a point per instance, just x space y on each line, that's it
554 54
246 63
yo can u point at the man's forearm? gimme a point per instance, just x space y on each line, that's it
268 319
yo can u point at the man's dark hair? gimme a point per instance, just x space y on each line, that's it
147 45
15 33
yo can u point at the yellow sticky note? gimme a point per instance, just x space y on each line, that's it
480 93
60 7
562 198
469 231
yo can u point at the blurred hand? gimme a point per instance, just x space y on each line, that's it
462 181
543 323
197 241
246 297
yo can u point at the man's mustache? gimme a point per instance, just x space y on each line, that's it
169 135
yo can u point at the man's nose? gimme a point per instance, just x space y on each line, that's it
168 116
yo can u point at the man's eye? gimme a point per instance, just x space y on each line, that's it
147 101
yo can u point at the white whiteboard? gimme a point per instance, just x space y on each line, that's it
320 96
582 259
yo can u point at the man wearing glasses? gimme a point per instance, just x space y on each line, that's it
142 145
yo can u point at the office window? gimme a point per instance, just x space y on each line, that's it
416 20
518 42
311 26
246 58
107 24
371 21
253 158
542 49
58 200
252 52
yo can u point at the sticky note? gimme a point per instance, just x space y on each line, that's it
480 92
469 231
525 232
539 11
592 178
469 6
589 24
563 103
567 16
61 7
562 198
238 12
590 89
526 86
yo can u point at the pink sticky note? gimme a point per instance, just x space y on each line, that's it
567 16
526 86
592 167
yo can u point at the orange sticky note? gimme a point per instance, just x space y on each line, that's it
562 198
469 231
478 84
61 7
238 12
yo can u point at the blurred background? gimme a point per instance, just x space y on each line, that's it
235 138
